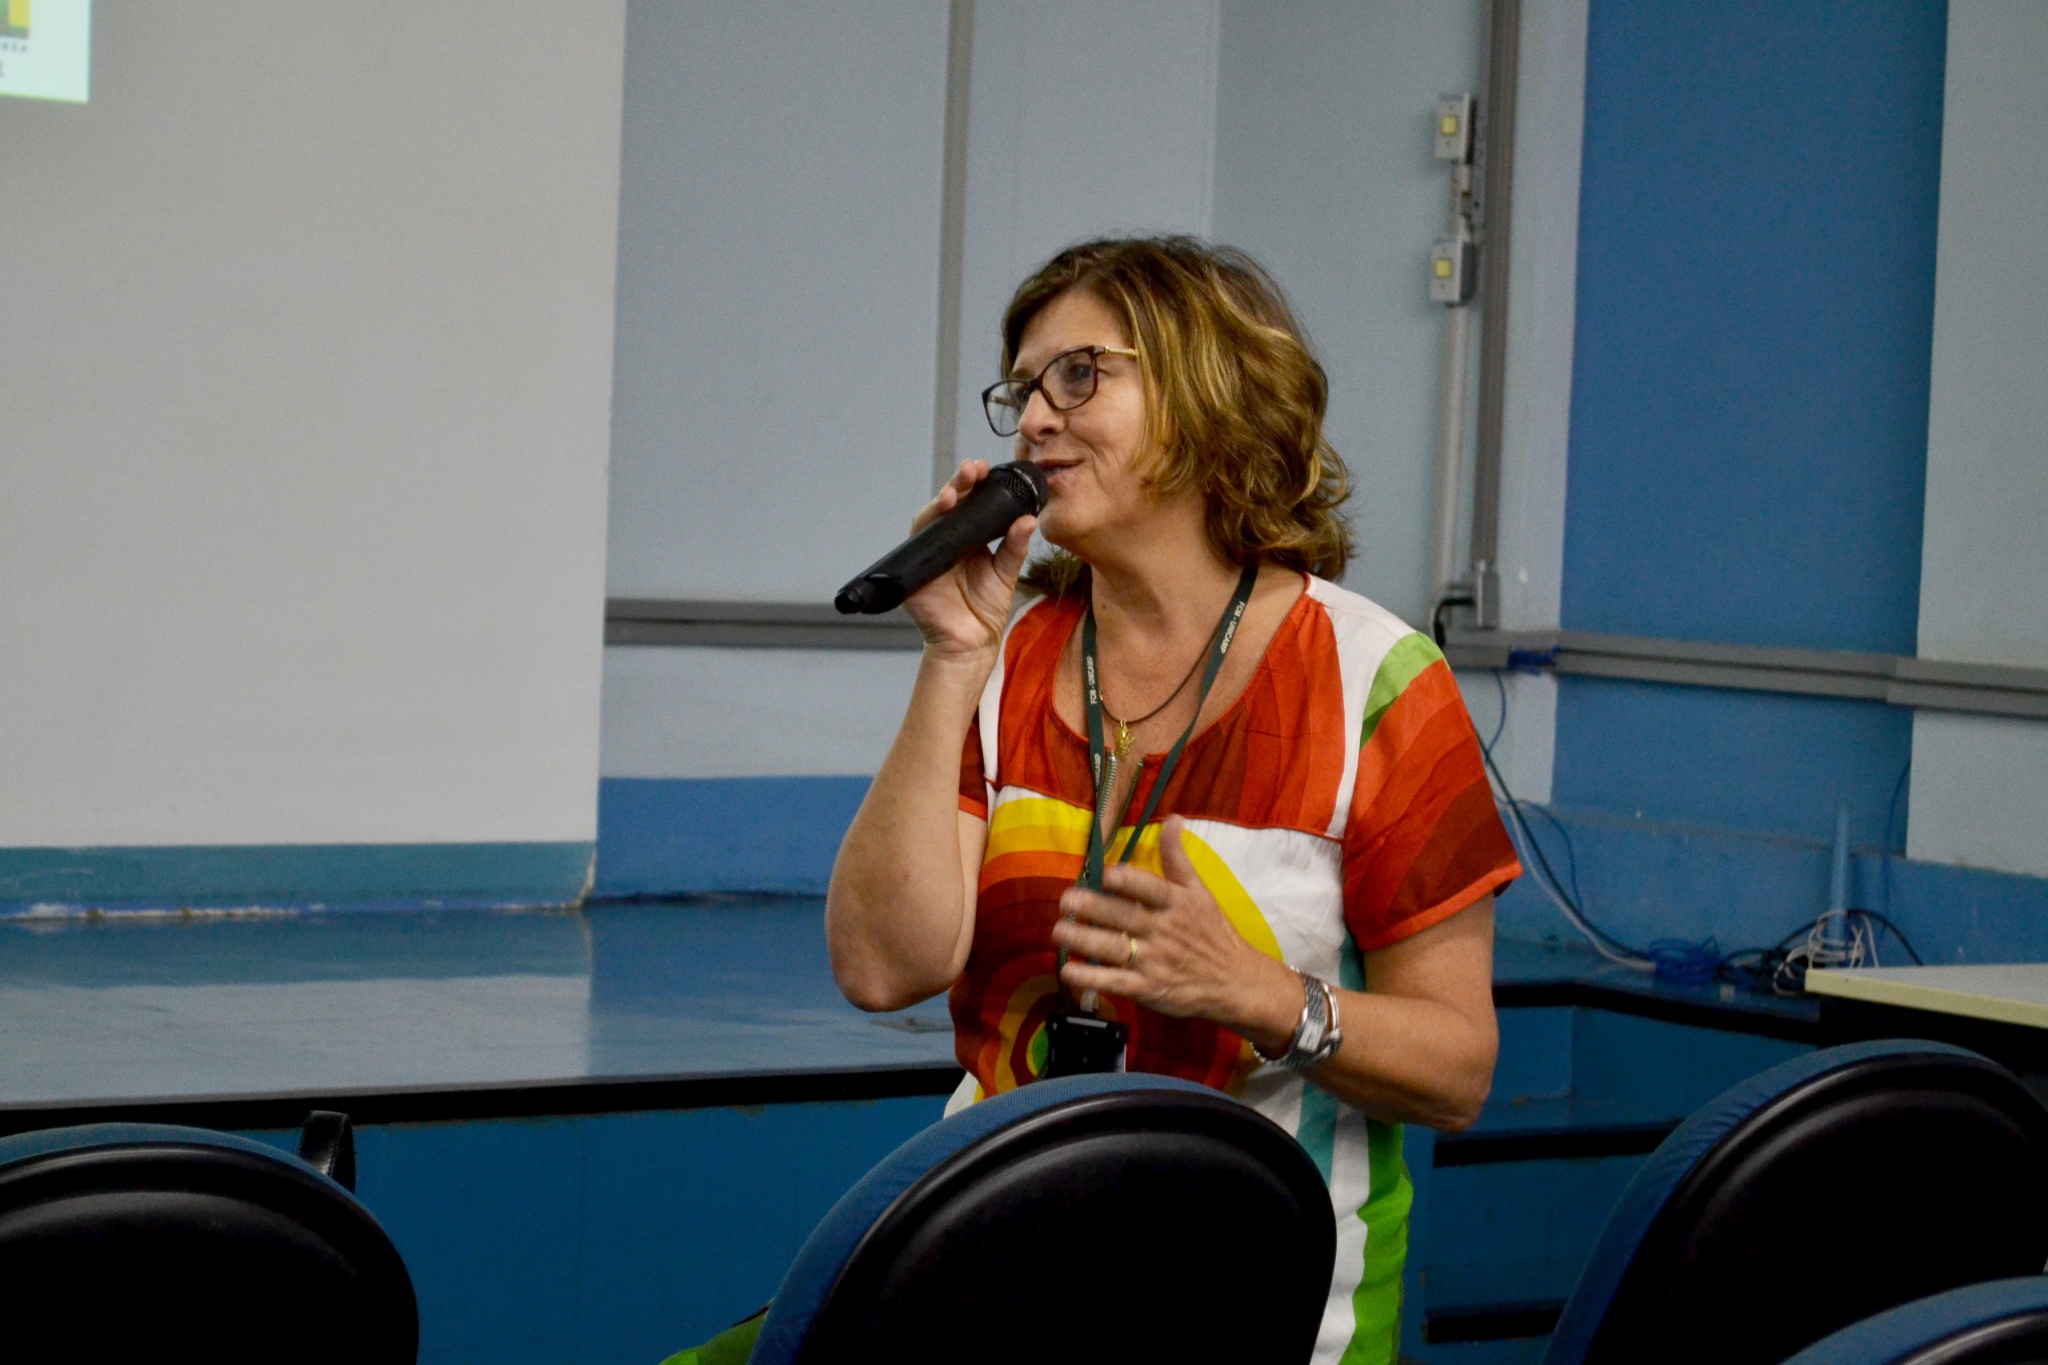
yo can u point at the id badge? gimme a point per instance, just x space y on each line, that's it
1083 1045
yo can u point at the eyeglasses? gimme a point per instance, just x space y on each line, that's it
1067 381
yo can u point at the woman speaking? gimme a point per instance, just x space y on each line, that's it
1214 816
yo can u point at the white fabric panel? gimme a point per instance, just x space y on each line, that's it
306 418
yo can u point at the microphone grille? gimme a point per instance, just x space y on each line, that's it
1026 479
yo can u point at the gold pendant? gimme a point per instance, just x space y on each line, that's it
1123 741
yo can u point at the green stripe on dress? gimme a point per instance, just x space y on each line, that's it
1403 664
1376 1303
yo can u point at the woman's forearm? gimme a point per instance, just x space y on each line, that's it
1403 1059
898 915
1419 1045
1410 1061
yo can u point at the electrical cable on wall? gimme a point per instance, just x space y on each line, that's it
1846 936
1534 858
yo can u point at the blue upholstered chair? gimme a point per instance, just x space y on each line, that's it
1837 1185
123 1241
2004 1322
1121 1217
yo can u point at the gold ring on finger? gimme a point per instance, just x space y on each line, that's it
1131 957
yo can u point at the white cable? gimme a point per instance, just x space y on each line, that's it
1600 946
1503 800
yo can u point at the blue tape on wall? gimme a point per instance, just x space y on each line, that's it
690 836
1755 321
294 876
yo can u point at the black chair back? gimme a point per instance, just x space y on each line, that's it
1118 1225
2004 1322
142 1242
1885 1173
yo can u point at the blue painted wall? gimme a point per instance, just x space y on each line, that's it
1755 320
1731 760
693 836
295 876
1748 442
613 1240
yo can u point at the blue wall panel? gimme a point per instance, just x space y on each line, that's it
690 836
1755 320
1645 879
614 1238
1760 761
488 1219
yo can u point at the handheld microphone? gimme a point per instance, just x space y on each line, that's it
1013 490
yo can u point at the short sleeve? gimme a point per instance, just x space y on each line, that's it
973 785
1423 839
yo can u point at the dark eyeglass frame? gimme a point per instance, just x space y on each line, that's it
1022 389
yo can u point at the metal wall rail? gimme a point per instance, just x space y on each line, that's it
1929 684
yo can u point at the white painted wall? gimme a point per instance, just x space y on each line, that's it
671 712
1086 118
1536 404
1324 171
306 415
1977 791
1067 139
778 292
1302 134
1542 311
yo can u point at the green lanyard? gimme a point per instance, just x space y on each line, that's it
1103 765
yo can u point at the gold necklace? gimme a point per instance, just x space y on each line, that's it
1123 727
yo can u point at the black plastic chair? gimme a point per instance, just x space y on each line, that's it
1829 1188
2001 1323
143 1241
1112 1218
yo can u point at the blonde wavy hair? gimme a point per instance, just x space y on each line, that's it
1234 398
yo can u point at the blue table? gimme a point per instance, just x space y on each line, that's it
248 1022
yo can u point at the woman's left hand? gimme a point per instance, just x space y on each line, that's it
1165 943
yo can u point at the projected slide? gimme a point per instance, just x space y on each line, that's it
46 49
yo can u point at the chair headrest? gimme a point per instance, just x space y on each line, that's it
1115 1210
222 1248
1791 1196
1980 1324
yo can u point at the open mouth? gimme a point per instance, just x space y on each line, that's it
1054 468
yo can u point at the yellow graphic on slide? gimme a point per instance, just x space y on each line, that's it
17 20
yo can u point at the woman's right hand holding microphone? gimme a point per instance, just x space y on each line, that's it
961 613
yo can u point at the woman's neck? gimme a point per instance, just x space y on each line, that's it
1152 600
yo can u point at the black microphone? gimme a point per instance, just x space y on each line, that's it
1013 490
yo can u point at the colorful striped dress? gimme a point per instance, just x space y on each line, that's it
1338 806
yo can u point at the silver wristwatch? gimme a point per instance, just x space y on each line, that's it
1319 1034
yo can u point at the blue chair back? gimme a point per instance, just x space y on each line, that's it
1117 1217
146 1241
1829 1188
2004 1322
